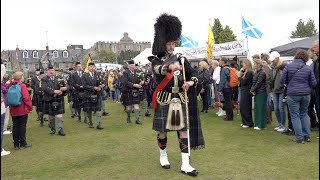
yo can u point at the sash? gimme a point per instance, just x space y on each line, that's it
160 86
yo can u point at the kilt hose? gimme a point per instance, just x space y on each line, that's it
89 106
161 115
128 99
48 109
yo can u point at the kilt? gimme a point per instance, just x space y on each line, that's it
34 99
89 106
40 103
160 118
47 108
143 94
77 103
128 99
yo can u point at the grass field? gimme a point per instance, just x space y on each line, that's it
129 151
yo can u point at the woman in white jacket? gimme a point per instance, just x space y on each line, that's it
3 110
216 81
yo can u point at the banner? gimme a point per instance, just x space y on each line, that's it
229 48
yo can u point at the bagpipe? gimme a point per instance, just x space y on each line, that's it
62 83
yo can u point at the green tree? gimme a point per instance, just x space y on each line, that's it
126 55
217 29
105 56
304 30
226 35
178 43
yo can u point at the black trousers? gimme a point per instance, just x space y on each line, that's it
19 124
227 106
289 118
311 114
204 97
246 107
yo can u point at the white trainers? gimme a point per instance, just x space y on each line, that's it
218 111
7 132
281 129
4 153
223 113
276 128
256 128
244 126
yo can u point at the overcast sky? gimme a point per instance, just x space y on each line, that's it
24 22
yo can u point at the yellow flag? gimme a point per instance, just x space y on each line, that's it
89 61
210 42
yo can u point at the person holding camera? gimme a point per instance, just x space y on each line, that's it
92 84
54 89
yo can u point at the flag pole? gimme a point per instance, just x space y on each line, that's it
247 46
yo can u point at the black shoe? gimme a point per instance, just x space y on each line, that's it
202 110
166 166
299 141
53 131
61 133
138 122
99 127
206 111
226 119
105 113
307 138
72 116
79 119
16 147
26 146
45 119
147 114
91 126
288 132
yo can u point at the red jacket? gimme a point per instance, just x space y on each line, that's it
26 106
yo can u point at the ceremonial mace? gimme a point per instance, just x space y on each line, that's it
186 95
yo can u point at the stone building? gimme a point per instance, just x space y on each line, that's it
125 44
30 60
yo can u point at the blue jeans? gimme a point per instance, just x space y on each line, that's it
2 123
298 107
112 93
210 100
279 108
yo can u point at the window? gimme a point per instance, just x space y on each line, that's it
114 48
25 54
65 54
36 66
55 54
35 54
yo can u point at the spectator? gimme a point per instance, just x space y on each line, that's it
259 92
224 88
4 87
216 81
205 77
20 114
110 86
246 76
299 79
3 110
277 90
267 69
315 91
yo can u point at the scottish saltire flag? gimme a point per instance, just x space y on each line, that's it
188 42
250 30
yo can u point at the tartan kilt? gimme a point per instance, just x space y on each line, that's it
78 103
128 99
40 103
47 108
34 100
160 118
89 106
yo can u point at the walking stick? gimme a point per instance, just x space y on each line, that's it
187 107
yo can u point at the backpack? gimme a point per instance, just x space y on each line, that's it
233 81
14 95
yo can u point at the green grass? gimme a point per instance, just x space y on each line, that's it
129 151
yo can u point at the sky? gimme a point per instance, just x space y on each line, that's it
24 23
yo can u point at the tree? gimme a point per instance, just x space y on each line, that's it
177 44
126 55
304 30
217 29
226 35
105 56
